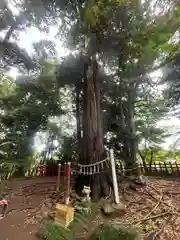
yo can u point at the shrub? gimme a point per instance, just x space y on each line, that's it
52 231
106 232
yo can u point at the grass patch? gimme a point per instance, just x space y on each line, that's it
52 231
106 232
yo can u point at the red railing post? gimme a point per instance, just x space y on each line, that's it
41 170
45 170
58 180
68 175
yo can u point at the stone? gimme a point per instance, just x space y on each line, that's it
108 209
49 200
74 196
48 204
120 206
132 177
143 180
132 187
83 199
45 214
82 209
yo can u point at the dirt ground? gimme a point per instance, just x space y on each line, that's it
29 201
154 208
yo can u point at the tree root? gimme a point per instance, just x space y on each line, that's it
155 207
165 203
155 210
162 227
155 216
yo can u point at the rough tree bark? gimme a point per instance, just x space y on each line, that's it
151 156
143 158
78 119
93 137
131 163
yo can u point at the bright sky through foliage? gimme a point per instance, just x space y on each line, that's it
33 35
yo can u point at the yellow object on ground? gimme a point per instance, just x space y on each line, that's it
64 214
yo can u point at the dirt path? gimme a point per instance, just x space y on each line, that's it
29 201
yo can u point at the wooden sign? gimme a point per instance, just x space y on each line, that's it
64 214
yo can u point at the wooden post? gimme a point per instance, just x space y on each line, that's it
45 170
34 170
68 174
155 167
150 168
160 166
138 170
170 164
115 185
28 173
37 170
177 167
142 168
121 168
41 170
58 180
165 165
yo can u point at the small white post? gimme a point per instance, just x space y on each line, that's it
115 185
68 175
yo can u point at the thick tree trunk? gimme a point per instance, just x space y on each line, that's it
78 119
131 125
143 158
78 116
151 156
26 148
93 138
92 125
